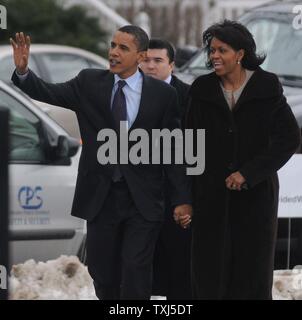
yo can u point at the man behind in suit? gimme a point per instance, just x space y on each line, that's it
122 203
159 64
172 259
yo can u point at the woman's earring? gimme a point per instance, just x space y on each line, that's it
238 61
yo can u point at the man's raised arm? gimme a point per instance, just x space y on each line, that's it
66 95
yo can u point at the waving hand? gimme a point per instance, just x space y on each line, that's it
21 46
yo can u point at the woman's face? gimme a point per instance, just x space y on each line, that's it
224 58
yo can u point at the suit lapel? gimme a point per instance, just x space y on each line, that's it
173 81
245 96
103 93
221 101
146 98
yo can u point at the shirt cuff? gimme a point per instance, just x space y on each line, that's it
22 77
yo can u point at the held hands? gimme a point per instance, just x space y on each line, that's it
235 181
21 47
183 214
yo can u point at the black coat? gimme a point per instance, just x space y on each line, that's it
234 232
182 90
172 257
89 96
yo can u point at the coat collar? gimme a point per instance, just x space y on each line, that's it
207 88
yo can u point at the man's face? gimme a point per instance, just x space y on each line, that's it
124 56
156 64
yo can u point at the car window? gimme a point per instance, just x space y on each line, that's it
93 64
7 67
25 144
62 67
282 44
200 61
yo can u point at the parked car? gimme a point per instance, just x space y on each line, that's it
54 63
272 27
43 164
184 54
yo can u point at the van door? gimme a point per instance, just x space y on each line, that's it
41 193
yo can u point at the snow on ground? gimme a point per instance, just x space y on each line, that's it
288 284
67 279
62 279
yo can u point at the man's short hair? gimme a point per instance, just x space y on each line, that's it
140 36
163 44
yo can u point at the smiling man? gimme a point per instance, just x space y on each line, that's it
123 204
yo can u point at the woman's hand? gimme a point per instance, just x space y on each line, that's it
235 181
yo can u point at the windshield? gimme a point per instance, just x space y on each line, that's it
199 61
275 37
282 44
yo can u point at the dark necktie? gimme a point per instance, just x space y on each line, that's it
119 113
119 107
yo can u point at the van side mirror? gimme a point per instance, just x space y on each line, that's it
66 147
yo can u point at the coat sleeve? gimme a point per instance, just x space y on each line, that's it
191 114
284 140
179 182
66 95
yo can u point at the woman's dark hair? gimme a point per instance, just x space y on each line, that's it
236 36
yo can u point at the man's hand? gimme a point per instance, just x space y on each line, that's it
21 47
235 181
183 215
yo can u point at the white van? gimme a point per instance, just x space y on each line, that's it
43 163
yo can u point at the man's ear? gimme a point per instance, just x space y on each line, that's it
142 56
172 65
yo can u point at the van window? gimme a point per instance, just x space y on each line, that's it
200 61
282 44
25 143
93 64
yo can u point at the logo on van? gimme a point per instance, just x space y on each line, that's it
297 22
3 17
29 198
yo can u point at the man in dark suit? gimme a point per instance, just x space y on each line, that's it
172 258
159 64
122 203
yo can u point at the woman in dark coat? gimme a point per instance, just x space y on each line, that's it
250 133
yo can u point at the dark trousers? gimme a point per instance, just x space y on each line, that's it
172 261
120 248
